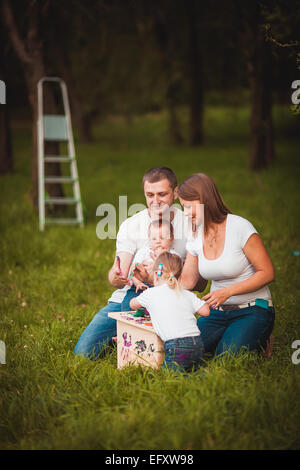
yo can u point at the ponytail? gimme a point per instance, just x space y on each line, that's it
169 267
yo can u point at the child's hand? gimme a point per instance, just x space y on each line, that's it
204 311
158 252
141 271
148 265
140 286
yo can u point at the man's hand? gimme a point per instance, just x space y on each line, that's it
115 277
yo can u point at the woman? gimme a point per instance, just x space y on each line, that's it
227 250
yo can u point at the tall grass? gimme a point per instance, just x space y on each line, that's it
52 284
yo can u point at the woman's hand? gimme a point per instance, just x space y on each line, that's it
217 297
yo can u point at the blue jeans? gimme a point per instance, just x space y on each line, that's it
131 294
98 334
183 353
235 330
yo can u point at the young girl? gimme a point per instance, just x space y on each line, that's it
172 310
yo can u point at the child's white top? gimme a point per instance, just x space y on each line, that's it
144 254
232 266
171 312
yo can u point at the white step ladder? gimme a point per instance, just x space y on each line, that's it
57 128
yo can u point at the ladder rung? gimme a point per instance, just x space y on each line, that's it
52 158
61 200
60 179
63 221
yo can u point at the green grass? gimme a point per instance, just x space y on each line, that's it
52 284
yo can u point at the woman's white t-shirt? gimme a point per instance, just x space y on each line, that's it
232 266
172 312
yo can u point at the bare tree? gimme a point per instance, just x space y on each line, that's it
259 63
29 50
171 78
195 70
6 154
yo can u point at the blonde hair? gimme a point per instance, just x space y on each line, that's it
171 269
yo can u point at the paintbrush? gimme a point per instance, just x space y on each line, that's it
119 265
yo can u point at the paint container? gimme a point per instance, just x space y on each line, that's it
140 312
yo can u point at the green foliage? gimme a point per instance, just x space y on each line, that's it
52 284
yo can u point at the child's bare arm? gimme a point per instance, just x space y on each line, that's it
138 284
204 310
134 304
141 272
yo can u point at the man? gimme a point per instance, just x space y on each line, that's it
160 189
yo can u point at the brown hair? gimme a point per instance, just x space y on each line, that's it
158 223
171 268
202 188
160 173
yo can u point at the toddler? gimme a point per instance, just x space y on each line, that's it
161 238
172 310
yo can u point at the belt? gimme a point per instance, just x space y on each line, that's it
235 307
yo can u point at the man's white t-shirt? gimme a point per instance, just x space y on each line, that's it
232 266
172 312
133 235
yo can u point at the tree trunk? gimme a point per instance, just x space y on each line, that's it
259 63
6 154
195 77
83 121
174 124
30 53
261 124
162 39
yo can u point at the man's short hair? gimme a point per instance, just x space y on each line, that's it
160 173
